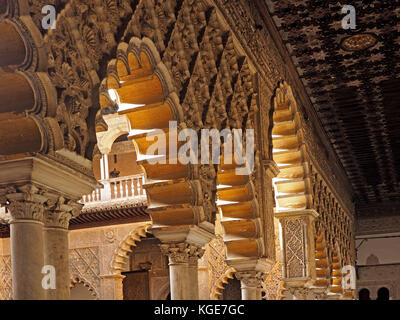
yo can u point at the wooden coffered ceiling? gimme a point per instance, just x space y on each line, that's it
355 93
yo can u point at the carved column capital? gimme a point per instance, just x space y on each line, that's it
250 279
300 293
60 211
319 295
182 253
57 219
25 210
195 253
24 203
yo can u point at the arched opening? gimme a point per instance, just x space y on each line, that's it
138 87
293 201
383 294
80 289
81 292
231 290
363 294
138 99
146 272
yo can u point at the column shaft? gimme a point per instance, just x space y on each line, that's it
27 259
250 284
112 287
179 278
193 279
56 255
183 270
249 293
56 246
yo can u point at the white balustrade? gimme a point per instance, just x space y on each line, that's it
122 188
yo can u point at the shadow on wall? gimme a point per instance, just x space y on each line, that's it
383 294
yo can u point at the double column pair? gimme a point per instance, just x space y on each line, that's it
183 270
39 244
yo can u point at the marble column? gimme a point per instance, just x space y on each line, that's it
29 187
56 247
183 262
26 209
251 283
193 274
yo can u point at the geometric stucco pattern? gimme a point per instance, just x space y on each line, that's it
5 278
336 224
219 271
85 267
272 285
295 251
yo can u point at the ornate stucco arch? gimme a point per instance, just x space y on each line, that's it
292 190
292 183
138 77
120 257
313 232
241 219
75 279
220 283
197 75
138 97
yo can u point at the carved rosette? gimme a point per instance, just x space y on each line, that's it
182 253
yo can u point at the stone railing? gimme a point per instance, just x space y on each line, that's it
122 188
